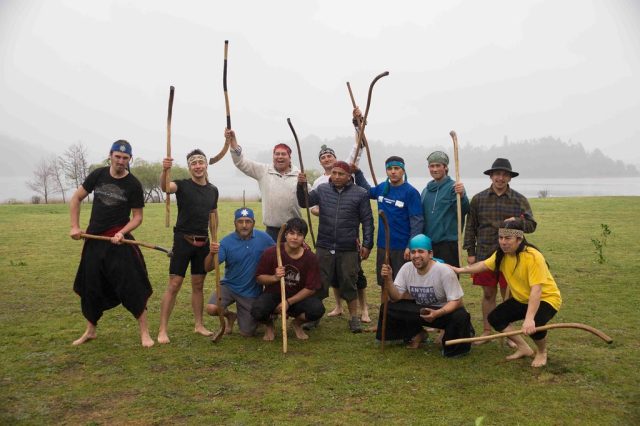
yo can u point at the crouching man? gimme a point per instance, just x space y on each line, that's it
301 273
425 293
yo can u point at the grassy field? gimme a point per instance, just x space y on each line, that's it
334 377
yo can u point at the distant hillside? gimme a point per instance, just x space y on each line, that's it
545 157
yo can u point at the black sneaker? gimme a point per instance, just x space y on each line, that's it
354 325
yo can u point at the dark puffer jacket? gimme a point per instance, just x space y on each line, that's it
341 213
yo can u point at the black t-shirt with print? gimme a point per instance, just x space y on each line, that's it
113 199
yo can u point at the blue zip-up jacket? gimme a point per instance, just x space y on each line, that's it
440 211
341 213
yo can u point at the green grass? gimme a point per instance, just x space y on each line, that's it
334 377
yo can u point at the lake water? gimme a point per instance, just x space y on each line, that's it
14 187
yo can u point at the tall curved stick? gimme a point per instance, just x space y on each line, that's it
364 139
306 189
283 290
363 123
385 292
130 242
167 217
577 325
454 137
213 229
225 148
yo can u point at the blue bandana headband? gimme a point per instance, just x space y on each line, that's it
420 241
125 148
400 164
244 212
394 163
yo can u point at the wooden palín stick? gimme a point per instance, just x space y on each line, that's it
306 189
225 148
454 137
385 292
577 325
283 295
364 140
363 123
213 229
168 181
130 242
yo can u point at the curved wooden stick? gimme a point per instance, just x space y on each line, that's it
385 292
225 148
213 229
167 218
283 295
130 242
306 189
363 123
454 137
364 139
577 325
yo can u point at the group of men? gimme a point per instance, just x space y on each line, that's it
422 236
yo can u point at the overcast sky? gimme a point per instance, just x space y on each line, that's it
97 71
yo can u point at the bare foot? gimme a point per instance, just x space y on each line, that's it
540 360
163 338
88 335
146 340
297 329
439 336
230 319
417 339
365 316
482 342
269 335
335 313
521 353
511 343
200 329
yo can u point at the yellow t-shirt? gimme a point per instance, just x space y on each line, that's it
531 269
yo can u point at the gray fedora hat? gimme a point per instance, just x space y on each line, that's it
501 164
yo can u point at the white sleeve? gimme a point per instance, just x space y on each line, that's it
352 154
249 167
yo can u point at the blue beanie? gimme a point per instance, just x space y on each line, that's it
420 241
244 212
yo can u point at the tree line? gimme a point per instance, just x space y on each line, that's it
58 175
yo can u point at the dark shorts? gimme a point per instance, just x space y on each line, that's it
111 274
339 270
447 251
183 254
273 232
246 323
488 279
396 257
266 303
511 310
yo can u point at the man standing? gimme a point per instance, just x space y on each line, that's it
487 211
302 279
196 198
327 158
240 251
343 208
439 205
426 293
111 273
277 183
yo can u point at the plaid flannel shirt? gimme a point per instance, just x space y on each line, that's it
487 211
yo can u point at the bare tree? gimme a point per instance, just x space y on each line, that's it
75 163
57 174
43 181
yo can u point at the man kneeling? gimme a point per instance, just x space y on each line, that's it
425 293
301 274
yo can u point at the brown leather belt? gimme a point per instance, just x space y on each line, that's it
196 240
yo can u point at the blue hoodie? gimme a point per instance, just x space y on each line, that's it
440 211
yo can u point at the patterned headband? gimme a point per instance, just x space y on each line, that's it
197 157
507 232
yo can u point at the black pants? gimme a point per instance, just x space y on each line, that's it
404 322
266 303
511 310
447 251
273 232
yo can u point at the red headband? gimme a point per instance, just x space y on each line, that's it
283 146
343 165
